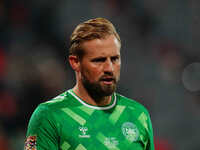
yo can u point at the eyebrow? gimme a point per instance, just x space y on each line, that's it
104 58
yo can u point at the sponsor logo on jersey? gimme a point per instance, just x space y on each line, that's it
111 142
30 143
83 133
130 131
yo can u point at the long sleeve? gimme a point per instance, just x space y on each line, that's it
42 132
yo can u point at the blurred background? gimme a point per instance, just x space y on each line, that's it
160 62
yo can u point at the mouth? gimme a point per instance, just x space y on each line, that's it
108 80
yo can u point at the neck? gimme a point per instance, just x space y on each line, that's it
84 95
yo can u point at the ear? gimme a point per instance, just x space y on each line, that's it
74 62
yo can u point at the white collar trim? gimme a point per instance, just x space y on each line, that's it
94 107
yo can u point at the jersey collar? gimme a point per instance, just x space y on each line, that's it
113 102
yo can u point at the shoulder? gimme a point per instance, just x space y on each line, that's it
46 109
58 102
53 105
131 103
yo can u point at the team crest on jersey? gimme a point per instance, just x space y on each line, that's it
30 143
130 131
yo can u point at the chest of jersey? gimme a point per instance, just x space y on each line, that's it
83 128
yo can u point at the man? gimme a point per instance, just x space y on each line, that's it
91 116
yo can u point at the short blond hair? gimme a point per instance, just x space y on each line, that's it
97 28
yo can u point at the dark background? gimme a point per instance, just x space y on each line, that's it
160 61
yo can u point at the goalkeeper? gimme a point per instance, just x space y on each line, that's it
91 115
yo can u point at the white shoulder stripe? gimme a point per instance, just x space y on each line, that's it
94 107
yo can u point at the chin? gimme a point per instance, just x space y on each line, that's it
108 91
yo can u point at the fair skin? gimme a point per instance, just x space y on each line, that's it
101 65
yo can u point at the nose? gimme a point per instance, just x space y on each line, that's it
108 67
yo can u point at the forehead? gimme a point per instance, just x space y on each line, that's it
108 46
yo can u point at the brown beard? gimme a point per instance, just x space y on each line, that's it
97 91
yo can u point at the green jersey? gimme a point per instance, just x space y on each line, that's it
68 123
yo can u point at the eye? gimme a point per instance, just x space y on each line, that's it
102 59
114 58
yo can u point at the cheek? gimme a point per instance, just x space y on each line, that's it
118 73
118 68
92 73
96 73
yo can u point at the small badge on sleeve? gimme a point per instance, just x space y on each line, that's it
30 143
